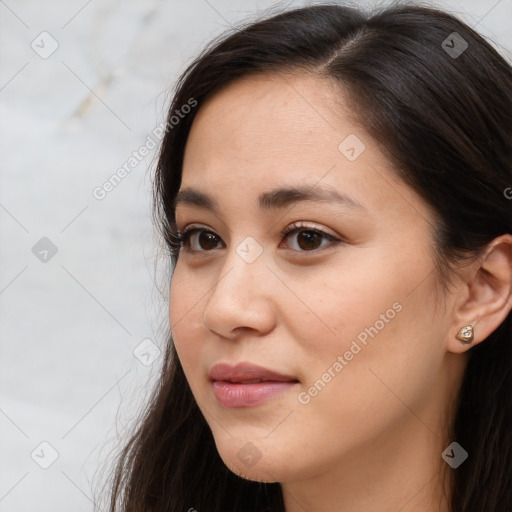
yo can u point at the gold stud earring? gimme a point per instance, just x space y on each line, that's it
466 334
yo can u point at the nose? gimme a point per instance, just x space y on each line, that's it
242 299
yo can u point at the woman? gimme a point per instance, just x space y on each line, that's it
332 186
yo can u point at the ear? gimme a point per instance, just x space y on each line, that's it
485 298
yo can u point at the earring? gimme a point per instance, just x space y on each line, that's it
466 334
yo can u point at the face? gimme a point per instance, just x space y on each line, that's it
342 307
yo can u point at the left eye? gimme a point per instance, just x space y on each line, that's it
308 239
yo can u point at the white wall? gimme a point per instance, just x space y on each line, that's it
69 326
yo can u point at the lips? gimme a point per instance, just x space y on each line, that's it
247 385
246 373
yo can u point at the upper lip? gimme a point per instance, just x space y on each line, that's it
246 371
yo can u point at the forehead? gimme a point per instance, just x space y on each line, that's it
271 131
270 117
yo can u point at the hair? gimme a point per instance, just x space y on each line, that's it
445 123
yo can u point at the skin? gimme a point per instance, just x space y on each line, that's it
371 439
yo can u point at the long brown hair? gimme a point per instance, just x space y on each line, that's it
445 121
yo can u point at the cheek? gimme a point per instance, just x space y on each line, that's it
178 302
185 319
371 339
355 298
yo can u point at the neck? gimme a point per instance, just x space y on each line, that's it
404 475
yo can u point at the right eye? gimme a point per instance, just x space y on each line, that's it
206 239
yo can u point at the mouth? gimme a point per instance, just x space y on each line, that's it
246 373
247 385
251 381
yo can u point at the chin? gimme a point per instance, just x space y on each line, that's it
254 474
246 460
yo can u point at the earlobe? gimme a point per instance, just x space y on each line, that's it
466 334
487 296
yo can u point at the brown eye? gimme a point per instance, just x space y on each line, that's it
308 239
207 240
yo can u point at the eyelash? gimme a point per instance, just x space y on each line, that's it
183 239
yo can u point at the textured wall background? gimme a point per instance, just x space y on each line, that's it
83 85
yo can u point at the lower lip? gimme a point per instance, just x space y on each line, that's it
231 394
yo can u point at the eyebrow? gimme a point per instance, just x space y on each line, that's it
273 199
